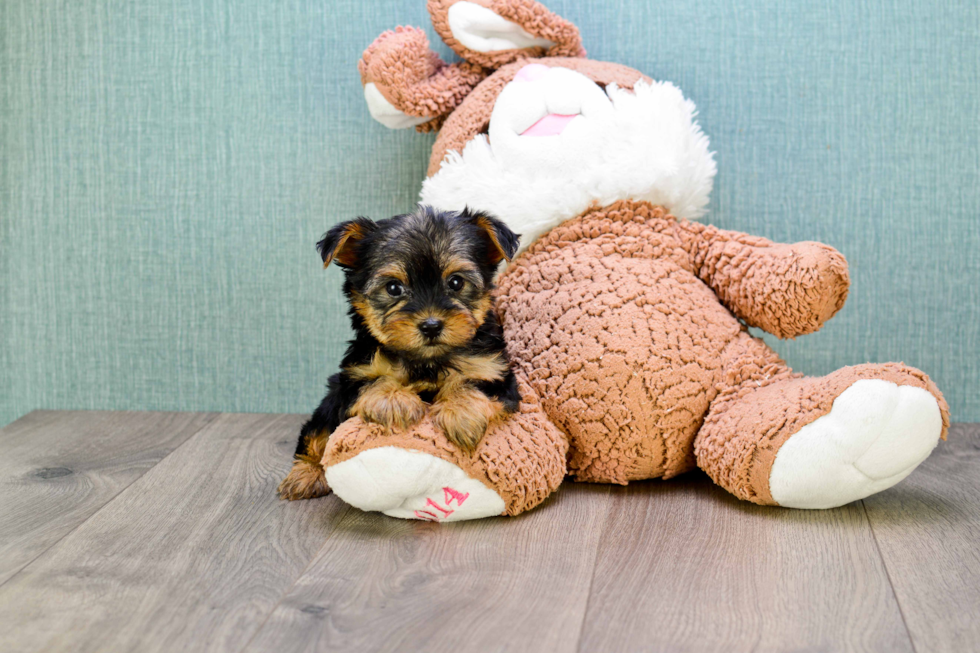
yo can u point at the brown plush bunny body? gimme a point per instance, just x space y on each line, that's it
627 325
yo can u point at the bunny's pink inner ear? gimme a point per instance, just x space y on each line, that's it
492 33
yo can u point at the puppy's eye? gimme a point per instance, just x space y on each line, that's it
456 283
395 289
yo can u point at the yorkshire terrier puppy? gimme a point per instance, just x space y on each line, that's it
425 333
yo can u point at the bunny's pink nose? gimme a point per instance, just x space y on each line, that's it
530 72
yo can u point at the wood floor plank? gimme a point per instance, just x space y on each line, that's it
928 531
57 468
191 557
684 566
380 584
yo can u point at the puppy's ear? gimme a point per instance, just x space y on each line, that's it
340 244
502 243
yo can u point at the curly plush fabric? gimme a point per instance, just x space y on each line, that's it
614 319
413 78
786 290
764 404
532 16
631 399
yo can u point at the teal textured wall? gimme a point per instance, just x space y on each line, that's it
168 166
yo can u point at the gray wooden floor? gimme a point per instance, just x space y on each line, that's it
162 532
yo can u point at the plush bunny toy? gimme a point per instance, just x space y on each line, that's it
626 322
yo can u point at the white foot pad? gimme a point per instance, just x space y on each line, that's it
875 434
411 485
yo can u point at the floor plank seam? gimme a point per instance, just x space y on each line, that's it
891 584
299 577
211 417
595 566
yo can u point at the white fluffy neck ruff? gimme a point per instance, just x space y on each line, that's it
649 148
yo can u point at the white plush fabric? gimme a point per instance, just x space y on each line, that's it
481 30
385 112
642 144
874 436
411 485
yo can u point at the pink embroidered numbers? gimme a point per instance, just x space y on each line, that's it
449 495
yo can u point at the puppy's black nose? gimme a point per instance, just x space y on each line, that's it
431 328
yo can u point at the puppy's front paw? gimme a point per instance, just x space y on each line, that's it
305 480
389 404
465 416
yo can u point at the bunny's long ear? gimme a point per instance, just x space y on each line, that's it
492 33
407 85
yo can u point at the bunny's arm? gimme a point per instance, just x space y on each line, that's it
787 290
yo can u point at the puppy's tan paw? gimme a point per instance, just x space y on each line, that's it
389 404
465 416
304 481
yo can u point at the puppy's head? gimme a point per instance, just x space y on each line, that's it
420 282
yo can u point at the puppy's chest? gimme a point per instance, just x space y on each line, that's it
474 367
428 379
427 382
425 379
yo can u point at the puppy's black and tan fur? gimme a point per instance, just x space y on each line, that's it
425 333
